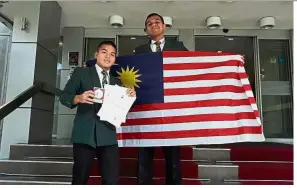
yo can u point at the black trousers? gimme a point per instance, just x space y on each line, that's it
145 165
108 160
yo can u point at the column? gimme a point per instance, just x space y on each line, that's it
187 37
33 57
73 41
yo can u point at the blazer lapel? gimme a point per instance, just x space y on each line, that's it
95 77
166 45
111 80
95 83
148 47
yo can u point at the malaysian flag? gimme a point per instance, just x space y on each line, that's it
188 98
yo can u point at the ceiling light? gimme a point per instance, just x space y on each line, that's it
213 22
267 22
116 21
167 21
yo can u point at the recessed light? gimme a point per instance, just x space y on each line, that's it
132 38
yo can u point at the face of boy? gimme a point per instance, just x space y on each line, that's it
154 26
106 56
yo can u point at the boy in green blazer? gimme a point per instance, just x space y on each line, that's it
90 136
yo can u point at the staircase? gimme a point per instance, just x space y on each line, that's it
229 164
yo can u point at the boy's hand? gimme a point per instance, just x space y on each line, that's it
86 97
131 92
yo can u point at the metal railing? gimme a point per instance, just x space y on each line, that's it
26 95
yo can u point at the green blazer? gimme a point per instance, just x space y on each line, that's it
88 128
170 45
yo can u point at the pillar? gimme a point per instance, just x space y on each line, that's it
33 57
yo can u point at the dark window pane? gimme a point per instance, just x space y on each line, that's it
91 46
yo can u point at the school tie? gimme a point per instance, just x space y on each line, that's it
158 44
104 80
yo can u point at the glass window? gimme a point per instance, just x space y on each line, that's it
91 45
241 45
276 88
4 29
5 43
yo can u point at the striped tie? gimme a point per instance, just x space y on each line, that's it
104 80
158 44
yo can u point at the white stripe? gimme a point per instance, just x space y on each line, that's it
192 141
201 59
254 106
201 97
249 93
202 83
188 126
190 111
223 69
241 70
245 81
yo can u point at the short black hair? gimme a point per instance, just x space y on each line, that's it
106 42
153 14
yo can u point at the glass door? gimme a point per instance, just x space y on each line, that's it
241 45
276 88
5 43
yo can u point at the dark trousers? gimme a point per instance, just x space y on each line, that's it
108 160
145 165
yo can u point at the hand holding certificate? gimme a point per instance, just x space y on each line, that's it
116 104
98 94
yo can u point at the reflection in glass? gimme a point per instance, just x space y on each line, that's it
277 102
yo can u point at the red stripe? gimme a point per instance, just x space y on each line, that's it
242 75
203 90
210 76
188 66
190 118
192 133
247 87
194 54
252 100
192 104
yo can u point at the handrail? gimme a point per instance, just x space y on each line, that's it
6 21
26 95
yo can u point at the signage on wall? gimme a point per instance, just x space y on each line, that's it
73 58
73 61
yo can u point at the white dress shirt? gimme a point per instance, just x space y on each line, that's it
99 72
154 46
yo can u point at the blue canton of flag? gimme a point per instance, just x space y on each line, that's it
144 72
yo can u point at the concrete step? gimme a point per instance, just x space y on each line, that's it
58 179
32 152
128 168
35 167
21 182
38 178
211 155
29 151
